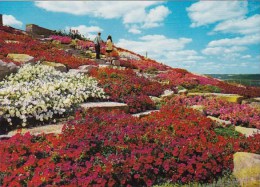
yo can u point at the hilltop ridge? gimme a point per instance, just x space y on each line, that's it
72 54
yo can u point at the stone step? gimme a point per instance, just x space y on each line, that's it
47 129
104 65
104 105
58 66
11 41
5 137
247 168
199 108
183 92
247 131
100 61
220 122
87 67
257 99
76 71
22 58
234 98
167 94
143 114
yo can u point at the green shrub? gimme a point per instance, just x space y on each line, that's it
206 89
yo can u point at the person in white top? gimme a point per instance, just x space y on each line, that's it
97 42
109 49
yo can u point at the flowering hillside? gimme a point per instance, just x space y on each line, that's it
175 142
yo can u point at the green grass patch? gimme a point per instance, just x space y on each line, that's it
227 132
206 89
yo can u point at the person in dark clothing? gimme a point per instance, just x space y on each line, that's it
97 42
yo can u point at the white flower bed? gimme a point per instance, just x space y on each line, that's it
40 91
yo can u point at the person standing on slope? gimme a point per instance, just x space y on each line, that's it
97 42
109 49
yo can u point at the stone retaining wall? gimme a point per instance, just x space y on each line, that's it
36 30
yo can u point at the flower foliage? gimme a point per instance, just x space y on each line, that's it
238 114
40 92
40 51
178 77
206 89
116 149
85 44
111 148
126 86
62 39
188 80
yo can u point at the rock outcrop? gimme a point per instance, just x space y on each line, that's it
6 69
247 131
247 169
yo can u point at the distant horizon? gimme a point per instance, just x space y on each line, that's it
204 37
231 73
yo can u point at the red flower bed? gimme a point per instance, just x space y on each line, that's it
178 77
203 80
247 91
40 51
148 64
126 86
115 149
127 64
11 30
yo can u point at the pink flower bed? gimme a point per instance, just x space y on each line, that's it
238 114
62 39
85 44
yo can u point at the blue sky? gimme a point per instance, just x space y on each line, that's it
200 36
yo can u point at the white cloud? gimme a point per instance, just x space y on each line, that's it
131 12
208 12
238 41
134 31
246 56
156 45
103 9
184 56
222 50
134 16
89 32
249 25
11 21
167 50
156 16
